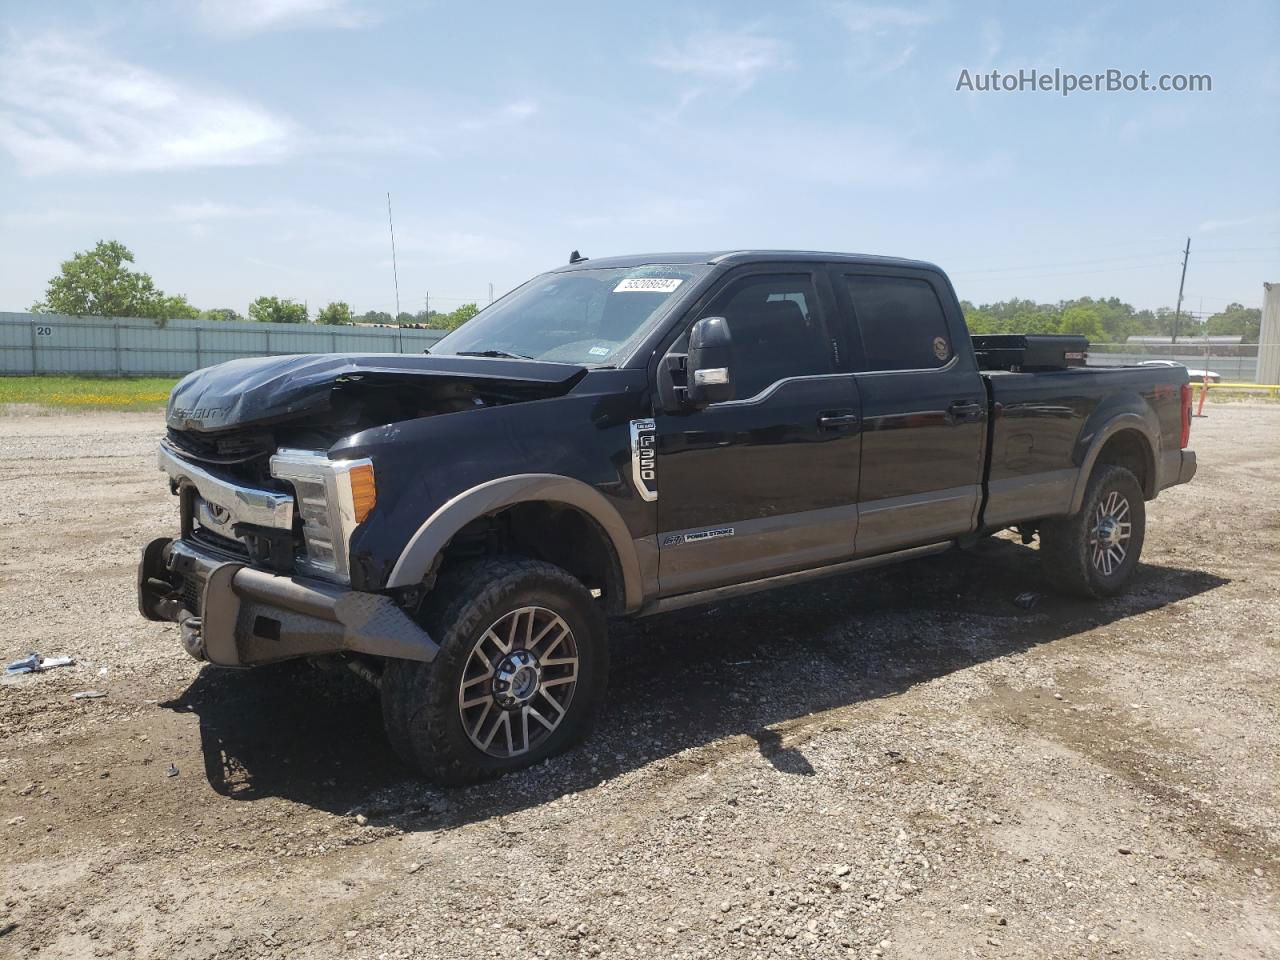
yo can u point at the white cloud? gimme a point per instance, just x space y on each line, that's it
205 210
1212 226
520 109
516 111
992 40
252 16
880 33
736 57
65 107
880 18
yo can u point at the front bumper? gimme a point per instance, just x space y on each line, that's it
235 615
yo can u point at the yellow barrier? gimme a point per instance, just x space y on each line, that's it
1272 389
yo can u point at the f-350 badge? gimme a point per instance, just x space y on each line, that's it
644 471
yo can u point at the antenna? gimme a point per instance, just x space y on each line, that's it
394 272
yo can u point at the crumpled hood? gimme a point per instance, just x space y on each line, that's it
264 389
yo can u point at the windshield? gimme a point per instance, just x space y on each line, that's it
587 317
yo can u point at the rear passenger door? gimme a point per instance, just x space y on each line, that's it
924 408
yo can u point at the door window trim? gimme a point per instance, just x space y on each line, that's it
837 274
839 336
777 385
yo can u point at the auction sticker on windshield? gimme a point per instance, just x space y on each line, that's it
648 285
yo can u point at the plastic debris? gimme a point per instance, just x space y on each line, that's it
172 771
1027 600
88 695
36 663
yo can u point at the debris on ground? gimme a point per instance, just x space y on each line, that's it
34 663
88 695
172 770
1027 600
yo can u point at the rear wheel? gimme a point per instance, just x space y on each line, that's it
1094 552
521 670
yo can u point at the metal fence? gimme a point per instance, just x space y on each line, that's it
46 343
1236 363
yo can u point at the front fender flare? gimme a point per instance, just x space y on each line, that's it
437 530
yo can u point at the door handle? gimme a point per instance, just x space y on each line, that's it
965 411
837 420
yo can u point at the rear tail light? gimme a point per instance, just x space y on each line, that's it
1186 414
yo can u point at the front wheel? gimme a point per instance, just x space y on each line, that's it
1093 553
520 674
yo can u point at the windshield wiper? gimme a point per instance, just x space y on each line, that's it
492 353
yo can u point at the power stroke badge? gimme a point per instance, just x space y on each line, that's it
644 471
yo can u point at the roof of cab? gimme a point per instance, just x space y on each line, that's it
736 257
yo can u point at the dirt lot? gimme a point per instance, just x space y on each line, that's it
899 764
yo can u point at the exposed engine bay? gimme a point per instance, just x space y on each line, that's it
234 420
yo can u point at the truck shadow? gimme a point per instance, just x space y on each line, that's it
682 680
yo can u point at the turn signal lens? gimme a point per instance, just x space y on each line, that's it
364 492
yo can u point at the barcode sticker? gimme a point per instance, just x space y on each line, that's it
648 285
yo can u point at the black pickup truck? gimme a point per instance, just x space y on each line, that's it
621 437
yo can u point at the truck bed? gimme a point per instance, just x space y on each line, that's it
1041 427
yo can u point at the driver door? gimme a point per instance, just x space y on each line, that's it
766 483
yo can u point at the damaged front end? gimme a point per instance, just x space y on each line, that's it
234 615
260 570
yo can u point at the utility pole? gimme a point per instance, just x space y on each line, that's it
491 291
394 272
1177 311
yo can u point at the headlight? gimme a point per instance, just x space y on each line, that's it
334 497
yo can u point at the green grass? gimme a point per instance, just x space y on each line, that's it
87 393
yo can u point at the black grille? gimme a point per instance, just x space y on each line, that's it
233 548
191 590
226 449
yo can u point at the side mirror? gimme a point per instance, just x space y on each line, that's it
710 352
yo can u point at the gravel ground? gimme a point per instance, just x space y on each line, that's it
902 763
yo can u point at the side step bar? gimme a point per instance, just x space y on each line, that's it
699 597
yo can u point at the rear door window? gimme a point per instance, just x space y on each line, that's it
900 322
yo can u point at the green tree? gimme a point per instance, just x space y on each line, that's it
99 283
1236 320
1082 321
275 310
1188 326
452 321
428 318
376 316
335 313
175 306
220 313
404 319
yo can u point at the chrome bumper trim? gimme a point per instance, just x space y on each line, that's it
262 508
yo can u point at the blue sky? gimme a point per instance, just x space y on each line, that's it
244 148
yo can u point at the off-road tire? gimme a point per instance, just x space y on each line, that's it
1065 548
420 700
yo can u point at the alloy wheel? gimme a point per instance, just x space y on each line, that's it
518 682
1109 539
